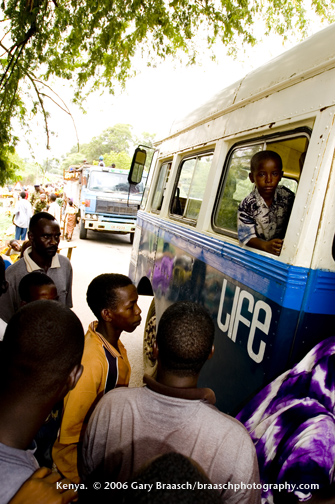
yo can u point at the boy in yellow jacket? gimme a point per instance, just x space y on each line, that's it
113 300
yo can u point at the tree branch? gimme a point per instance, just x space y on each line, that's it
54 92
43 109
66 109
5 48
54 101
29 34
5 36
8 66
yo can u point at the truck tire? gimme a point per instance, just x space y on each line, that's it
149 363
82 230
131 238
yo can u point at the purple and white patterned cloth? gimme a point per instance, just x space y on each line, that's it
292 423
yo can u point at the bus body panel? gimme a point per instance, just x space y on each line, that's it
268 311
262 313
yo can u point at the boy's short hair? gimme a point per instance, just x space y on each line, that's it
37 217
53 197
259 157
43 342
171 468
185 337
33 279
101 292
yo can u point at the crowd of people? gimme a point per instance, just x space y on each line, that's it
49 199
59 389
72 430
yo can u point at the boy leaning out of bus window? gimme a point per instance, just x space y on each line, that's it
263 215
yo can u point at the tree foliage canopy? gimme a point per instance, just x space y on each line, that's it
93 43
117 138
115 144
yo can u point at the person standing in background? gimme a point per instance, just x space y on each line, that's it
54 208
21 216
41 204
70 220
35 195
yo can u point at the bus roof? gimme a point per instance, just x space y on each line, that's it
312 56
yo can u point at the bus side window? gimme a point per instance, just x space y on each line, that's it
163 177
189 191
236 184
236 187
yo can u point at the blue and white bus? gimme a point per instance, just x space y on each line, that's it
268 310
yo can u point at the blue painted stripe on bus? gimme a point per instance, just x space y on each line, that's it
284 284
320 294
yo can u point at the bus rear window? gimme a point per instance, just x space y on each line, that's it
236 184
189 191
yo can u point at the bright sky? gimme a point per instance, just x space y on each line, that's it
153 99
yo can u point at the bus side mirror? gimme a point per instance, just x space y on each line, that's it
137 166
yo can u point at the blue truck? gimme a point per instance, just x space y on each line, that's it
107 202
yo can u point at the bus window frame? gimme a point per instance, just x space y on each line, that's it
150 175
165 162
282 135
193 155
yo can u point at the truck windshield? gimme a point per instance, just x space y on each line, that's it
112 182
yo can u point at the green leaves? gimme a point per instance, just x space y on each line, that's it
115 144
8 164
92 44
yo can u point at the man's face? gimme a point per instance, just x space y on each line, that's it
48 291
45 238
266 177
127 315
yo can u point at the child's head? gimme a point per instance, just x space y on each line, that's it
171 467
266 170
42 350
112 297
15 245
185 338
36 286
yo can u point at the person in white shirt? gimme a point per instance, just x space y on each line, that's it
54 208
21 217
